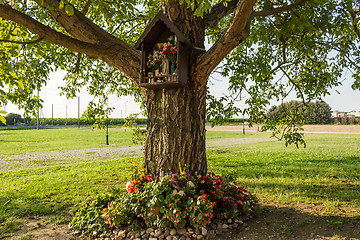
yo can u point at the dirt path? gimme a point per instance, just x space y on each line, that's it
307 128
53 158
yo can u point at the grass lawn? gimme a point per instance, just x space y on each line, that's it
57 139
322 179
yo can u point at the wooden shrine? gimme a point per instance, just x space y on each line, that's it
164 55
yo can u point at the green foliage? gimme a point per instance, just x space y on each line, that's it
138 134
13 118
314 112
2 118
87 215
175 200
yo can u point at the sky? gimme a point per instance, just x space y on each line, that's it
342 98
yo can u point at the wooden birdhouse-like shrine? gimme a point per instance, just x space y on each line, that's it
164 55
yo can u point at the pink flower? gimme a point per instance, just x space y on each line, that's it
149 178
130 187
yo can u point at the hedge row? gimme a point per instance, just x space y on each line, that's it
74 121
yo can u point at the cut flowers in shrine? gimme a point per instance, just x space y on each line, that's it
177 200
166 50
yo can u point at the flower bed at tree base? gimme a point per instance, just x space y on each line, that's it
182 205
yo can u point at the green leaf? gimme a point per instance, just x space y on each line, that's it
20 84
62 5
69 9
2 119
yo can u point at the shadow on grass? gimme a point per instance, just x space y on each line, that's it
20 207
279 222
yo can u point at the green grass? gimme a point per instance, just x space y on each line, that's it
57 139
326 173
53 190
234 134
324 177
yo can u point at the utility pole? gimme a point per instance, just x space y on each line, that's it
243 125
107 131
37 118
79 112
52 114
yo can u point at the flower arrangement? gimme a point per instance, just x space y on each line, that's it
161 53
179 200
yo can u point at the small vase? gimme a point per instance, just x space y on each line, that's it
172 68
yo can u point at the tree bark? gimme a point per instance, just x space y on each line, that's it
176 131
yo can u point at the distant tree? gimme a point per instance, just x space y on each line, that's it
314 112
320 113
347 120
11 117
277 113
353 120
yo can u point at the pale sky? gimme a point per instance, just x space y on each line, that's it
347 100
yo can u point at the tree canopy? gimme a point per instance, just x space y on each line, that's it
267 48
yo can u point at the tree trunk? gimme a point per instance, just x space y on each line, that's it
176 130
176 117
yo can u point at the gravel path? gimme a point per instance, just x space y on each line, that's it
52 158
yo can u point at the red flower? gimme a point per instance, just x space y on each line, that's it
130 187
174 50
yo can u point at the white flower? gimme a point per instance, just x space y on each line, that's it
181 193
191 184
174 192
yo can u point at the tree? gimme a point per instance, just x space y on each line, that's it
257 39
13 118
317 112
320 113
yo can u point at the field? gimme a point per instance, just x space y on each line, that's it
310 193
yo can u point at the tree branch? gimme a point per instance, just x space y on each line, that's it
353 22
217 12
89 39
296 86
86 7
278 10
39 39
237 30
118 53
47 33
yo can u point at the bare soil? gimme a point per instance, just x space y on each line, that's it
277 222
307 128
